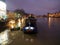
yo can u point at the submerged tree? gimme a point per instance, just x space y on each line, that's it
20 11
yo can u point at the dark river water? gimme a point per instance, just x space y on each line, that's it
48 34
49 30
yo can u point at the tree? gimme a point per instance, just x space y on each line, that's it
20 11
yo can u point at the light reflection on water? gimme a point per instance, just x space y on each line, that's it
4 37
54 23
49 30
44 36
49 22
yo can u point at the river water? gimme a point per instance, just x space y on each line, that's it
49 30
48 34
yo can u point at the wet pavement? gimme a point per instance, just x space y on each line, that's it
48 34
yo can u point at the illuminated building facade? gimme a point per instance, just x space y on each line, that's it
3 9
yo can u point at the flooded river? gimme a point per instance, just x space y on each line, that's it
48 34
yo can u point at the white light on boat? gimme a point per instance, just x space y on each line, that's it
29 28
26 27
32 28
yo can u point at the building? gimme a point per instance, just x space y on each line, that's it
3 9
57 14
51 14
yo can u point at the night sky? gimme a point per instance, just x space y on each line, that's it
38 7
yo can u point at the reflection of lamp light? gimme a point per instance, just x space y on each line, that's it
49 23
19 23
12 23
12 26
4 37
